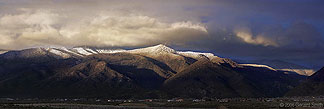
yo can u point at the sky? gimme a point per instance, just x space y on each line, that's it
288 30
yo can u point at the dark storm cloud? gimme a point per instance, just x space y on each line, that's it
290 30
297 9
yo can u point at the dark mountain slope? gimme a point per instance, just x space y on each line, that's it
147 72
271 83
313 86
207 79
58 78
202 78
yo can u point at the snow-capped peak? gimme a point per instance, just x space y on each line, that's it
163 49
154 49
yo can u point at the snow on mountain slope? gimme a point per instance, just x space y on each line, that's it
3 51
110 51
196 54
58 52
90 51
79 51
158 49
82 51
282 66
162 49
63 49
306 72
258 65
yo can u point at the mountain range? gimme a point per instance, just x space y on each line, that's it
152 72
281 65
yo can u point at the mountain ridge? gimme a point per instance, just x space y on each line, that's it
281 65
152 72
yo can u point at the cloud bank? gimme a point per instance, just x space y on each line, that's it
246 36
30 28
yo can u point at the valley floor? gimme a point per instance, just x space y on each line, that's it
177 103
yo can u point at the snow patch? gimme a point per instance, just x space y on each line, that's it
110 51
258 65
158 49
91 51
59 53
306 72
196 54
69 51
2 52
82 51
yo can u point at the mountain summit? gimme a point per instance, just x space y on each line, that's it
158 49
